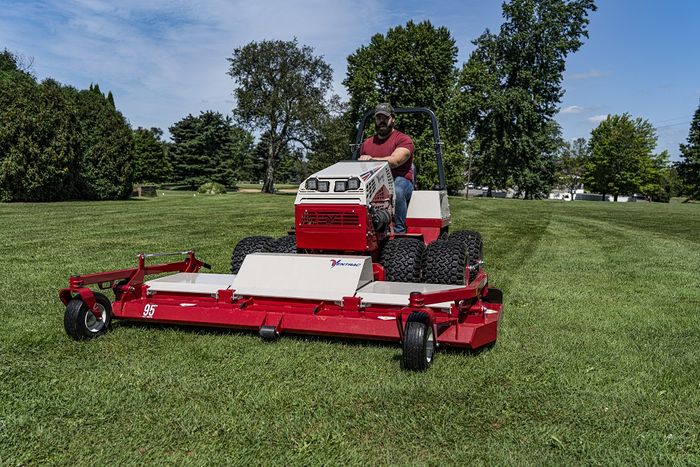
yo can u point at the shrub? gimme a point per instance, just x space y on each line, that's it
212 188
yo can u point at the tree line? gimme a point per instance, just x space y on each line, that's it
57 142
497 108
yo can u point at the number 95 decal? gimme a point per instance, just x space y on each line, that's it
149 310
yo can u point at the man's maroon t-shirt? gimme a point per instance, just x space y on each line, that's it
376 147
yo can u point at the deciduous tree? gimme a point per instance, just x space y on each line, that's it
622 159
413 66
281 91
511 89
332 143
570 164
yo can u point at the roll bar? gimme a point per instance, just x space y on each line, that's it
406 110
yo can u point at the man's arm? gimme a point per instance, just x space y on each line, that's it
398 157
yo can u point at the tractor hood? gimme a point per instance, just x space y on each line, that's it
350 182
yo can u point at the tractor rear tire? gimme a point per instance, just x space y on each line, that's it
402 259
79 321
445 262
418 346
286 244
475 246
246 246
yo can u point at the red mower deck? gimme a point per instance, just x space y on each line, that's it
459 316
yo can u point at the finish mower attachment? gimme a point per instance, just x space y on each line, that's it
341 272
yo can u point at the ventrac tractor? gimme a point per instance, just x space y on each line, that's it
341 271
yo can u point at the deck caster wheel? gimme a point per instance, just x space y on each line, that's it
80 323
418 346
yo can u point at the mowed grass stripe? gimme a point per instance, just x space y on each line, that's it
612 321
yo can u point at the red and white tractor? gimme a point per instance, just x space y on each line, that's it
340 272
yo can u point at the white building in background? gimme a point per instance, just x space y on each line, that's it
565 195
579 195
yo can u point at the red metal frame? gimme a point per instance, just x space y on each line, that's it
128 279
471 321
430 229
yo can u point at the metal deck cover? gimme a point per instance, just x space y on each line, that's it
397 293
290 275
192 282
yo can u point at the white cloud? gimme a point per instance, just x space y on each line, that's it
597 118
589 74
164 59
572 109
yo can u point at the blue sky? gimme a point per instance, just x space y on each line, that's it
166 59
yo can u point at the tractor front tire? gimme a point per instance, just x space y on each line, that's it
475 246
418 346
402 259
445 262
286 244
81 324
246 246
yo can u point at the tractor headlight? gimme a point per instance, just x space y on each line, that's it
341 185
324 185
354 183
312 184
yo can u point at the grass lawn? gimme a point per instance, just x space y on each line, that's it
598 358
258 187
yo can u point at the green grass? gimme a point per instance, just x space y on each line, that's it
257 186
598 358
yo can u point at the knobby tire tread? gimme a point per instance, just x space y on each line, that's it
246 246
402 260
445 263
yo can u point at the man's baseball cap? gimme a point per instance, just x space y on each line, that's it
385 109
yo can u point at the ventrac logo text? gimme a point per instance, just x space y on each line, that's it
340 262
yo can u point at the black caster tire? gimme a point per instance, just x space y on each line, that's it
81 324
418 346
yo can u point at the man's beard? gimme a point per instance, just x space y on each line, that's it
383 129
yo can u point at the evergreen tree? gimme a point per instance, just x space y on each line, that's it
241 164
57 142
689 167
150 156
106 147
208 148
39 145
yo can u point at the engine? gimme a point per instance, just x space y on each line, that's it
345 207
